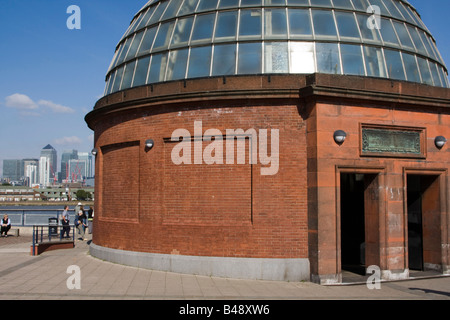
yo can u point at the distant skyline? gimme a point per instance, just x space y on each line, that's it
51 77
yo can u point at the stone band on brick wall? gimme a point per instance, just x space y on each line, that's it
238 268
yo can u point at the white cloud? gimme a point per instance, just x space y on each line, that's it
20 102
57 108
68 141
28 107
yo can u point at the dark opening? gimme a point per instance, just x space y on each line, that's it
424 233
352 223
415 235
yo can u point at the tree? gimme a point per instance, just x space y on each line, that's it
81 195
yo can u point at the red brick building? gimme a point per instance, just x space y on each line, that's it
380 197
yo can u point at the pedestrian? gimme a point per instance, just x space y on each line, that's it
90 219
6 225
80 222
65 221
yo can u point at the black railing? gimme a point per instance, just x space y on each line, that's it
52 233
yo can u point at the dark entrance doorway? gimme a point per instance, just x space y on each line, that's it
359 221
424 234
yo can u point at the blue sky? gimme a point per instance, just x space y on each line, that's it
50 76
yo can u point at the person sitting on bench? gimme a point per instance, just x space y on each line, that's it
6 225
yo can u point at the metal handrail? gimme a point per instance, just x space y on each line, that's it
52 234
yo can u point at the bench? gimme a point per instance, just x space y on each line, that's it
51 245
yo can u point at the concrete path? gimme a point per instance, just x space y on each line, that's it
23 276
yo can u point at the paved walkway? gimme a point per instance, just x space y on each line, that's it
23 276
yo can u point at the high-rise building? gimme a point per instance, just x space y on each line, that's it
87 158
31 171
77 170
66 156
47 166
12 169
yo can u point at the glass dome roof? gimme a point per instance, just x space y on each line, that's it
184 39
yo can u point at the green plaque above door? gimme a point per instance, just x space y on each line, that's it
392 141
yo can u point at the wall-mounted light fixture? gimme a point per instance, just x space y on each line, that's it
94 152
440 141
339 136
149 144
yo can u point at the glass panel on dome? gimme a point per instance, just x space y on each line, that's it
203 27
324 25
378 3
248 3
393 9
361 5
394 65
275 23
141 21
199 62
425 71
435 53
411 68
302 57
226 25
368 34
347 25
444 76
405 13
417 41
146 18
182 32
275 2
403 35
140 75
352 61
387 32
327 55
176 68
128 75
163 36
158 12
224 62
124 51
110 83
249 58
114 60
172 9
206 5
298 2
321 3
118 79
343 4
276 57
147 42
374 62
228 4
250 25
435 74
135 45
157 68
188 7
416 18
299 23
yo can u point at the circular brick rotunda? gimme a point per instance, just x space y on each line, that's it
274 139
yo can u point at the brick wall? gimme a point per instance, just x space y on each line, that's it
200 209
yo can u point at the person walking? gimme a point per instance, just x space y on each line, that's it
80 223
65 221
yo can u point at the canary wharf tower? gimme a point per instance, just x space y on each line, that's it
359 97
